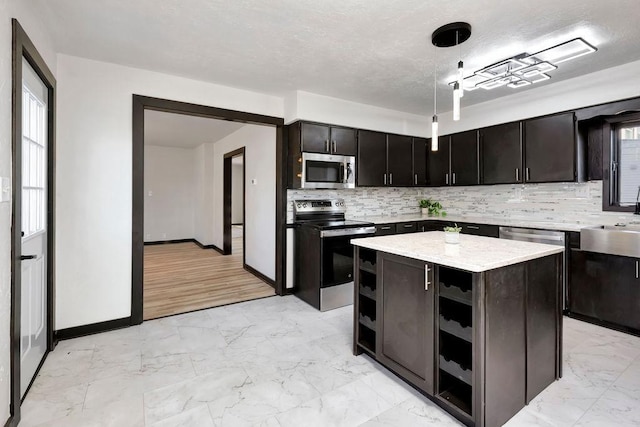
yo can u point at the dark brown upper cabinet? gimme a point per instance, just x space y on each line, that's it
399 161
420 153
464 158
371 164
438 169
501 154
550 149
320 138
384 160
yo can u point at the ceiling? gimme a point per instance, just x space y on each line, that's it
183 131
376 52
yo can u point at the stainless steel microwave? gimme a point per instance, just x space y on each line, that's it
328 171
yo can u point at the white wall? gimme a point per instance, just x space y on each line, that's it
237 199
34 28
169 193
94 177
260 164
301 105
203 190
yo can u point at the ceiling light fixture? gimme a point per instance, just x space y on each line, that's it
434 120
525 69
449 35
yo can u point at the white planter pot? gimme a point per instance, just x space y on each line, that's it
425 211
451 237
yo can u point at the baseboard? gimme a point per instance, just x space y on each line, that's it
604 324
12 422
166 242
94 328
259 275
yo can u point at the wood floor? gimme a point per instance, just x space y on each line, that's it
182 277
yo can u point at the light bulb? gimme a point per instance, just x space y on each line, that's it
434 133
456 102
461 78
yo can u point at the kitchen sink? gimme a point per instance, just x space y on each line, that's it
619 239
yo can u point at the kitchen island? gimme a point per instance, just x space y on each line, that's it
475 326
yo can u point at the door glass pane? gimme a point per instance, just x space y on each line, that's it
629 184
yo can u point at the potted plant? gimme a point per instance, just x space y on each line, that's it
431 208
452 234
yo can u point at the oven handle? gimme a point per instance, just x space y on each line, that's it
347 232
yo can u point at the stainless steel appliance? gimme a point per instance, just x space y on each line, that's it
619 239
324 255
328 171
549 237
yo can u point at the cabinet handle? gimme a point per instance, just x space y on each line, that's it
517 175
385 179
453 177
333 143
326 145
388 227
426 277
408 225
446 178
390 179
415 179
636 269
527 175
473 227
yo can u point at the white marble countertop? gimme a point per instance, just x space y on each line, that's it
543 225
473 253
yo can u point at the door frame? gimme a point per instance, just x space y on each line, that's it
227 200
23 47
142 103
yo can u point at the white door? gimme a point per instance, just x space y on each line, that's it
33 324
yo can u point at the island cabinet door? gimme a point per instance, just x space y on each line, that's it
504 342
405 306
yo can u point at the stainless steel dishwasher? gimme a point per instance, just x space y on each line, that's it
549 237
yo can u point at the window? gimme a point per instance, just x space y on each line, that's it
627 163
34 119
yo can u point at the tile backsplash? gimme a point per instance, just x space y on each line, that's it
560 202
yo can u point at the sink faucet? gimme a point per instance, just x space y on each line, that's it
637 212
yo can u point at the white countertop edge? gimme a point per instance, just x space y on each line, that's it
378 244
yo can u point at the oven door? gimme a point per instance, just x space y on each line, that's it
327 171
337 254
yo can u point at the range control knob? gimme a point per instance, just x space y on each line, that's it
304 205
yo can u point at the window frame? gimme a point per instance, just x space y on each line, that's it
611 153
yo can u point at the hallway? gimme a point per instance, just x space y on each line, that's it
182 277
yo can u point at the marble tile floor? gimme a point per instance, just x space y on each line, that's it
278 362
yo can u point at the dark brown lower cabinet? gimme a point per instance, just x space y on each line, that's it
605 288
405 318
480 345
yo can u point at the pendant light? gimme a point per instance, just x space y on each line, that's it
434 120
449 35
460 67
456 101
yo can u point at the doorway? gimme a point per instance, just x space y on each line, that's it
33 215
191 269
234 194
